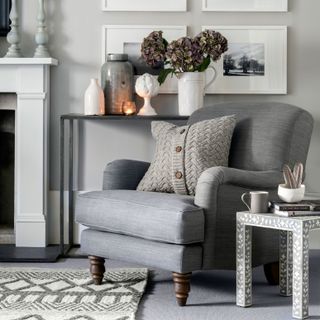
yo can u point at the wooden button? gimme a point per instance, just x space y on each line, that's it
178 149
182 131
178 175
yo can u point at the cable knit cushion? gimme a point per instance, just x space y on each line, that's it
183 153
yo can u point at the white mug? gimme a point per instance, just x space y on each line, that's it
258 201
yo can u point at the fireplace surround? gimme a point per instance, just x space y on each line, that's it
29 79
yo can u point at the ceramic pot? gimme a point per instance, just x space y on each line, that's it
94 99
191 90
291 195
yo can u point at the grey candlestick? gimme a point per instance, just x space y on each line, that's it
13 36
41 37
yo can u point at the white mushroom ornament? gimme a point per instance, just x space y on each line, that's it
147 86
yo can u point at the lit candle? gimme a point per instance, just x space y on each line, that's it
129 108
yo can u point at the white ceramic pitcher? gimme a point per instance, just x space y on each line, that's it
192 89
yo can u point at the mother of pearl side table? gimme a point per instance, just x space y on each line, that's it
294 257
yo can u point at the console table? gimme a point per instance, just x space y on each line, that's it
71 118
294 257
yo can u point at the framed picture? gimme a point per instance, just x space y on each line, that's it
255 63
245 5
144 5
128 39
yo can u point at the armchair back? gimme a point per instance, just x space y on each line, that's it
267 134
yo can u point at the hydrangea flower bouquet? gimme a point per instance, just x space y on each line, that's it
183 55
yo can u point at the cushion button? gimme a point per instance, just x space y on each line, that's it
178 149
178 175
182 131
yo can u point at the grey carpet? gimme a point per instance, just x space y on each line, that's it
212 294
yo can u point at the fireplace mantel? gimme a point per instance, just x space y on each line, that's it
29 78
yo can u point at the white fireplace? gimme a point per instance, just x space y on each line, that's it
29 79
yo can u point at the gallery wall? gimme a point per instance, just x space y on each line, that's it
75 40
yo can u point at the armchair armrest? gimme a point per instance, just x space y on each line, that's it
124 174
242 178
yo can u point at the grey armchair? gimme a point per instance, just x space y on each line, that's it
183 233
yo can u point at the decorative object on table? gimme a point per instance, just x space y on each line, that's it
183 153
258 201
187 58
129 108
144 5
147 86
94 99
13 36
4 17
303 208
248 5
41 37
117 82
292 190
70 294
128 38
255 63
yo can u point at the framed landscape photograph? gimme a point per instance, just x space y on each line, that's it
245 5
128 39
144 5
255 63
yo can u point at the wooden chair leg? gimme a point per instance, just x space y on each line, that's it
271 271
181 287
97 269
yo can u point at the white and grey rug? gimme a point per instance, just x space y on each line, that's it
45 294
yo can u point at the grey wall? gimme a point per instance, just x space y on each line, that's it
75 27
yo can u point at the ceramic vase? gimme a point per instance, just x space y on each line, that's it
191 90
94 99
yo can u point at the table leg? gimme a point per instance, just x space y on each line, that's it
70 188
244 265
301 273
285 263
61 222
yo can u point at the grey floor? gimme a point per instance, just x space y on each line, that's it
212 295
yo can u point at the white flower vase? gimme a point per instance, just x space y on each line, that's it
94 99
192 89
147 86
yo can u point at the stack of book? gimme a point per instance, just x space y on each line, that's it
303 208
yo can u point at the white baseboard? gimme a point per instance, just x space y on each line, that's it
54 211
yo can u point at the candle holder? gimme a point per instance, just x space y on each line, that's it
13 36
129 108
41 37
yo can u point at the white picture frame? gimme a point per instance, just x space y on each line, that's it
266 49
118 38
245 5
145 5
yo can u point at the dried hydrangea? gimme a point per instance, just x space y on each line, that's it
212 43
153 49
184 55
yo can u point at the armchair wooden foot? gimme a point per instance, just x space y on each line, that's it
271 271
97 269
181 287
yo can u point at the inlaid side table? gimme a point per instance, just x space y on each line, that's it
294 257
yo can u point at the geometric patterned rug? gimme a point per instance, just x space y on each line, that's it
61 294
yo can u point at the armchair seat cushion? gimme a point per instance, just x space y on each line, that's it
163 217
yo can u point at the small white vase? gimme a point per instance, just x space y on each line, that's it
94 99
291 195
191 90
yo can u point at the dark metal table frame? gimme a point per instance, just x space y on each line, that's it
64 249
